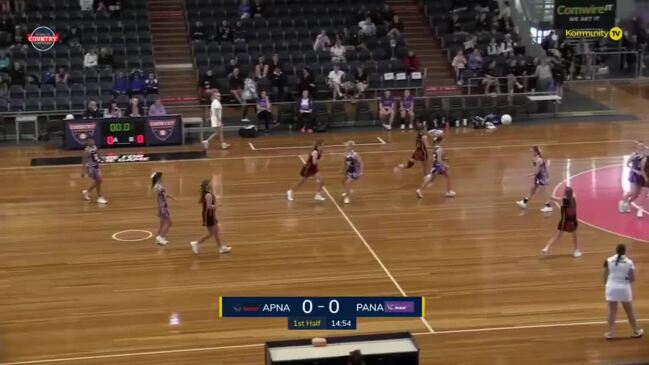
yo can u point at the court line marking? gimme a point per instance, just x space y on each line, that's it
252 146
369 248
641 208
565 181
255 345
11 168
149 233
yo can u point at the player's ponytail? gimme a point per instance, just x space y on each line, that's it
205 188
570 196
537 150
620 250
155 177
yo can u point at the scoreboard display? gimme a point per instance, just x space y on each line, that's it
331 313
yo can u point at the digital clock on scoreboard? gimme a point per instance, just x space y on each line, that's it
121 133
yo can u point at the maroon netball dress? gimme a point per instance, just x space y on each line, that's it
310 168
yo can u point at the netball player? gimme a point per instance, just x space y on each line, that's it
421 148
353 170
637 178
541 180
386 110
216 119
208 201
619 274
90 166
163 208
568 222
439 168
311 168
407 110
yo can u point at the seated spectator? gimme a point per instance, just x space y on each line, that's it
490 82
335 80
264 110
120 85
49 77
348 39
73 38
206 83
361 13
360 81
470 44
113 111
530 71
62 76
17 74
87 5
236 85
481 22
101 8
135 109
322 41
32 79
244 9
305 109
274 63
105 58
249 95
387 14
238 33
514 73
278 80
507 46
157 109
225 32
338 53
387 109
92 111
5 61
493 49
151 84
475 62
259 8
411 62
459 64
19 42
544 79
396 27
232 64
4 86
362 46
367 28
136 85
454 25
114 8
307 82
90 59
199 32
261 68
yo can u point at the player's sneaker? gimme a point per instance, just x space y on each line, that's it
195 247
225 249
319 197
451 194
545 251
206 144
346 200
639 214
419 194
289 195
621 206
577 253
403 126
546 209
86 194
522 204
639 333
225 146
161 241
102 200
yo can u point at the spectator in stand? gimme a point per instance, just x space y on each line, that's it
136 87
206 84
264 110
5 6
90 59
114 8
105 58
470 44
515 72
19 42
49 77
481 22
367 28
305 109
274 63
459 64
396 27
360 81
4 86
151 84
5 61
362 46
454 25
238 33
278 80
493 49
322 41
232 64
338 52
259 8
113 111
92 111
62 76
135 109
244 9
20 6
157 109
101 8
120 85
505 22
490 82
529 71
507 46
475 62
225 32
307 82
411 62
335 81
199 32
236 85
87 5
261 68
544 80
387 13
249 95
348 39
32 79
17 74
361 14
73 38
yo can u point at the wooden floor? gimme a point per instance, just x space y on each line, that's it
71 294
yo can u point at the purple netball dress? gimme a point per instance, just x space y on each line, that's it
92 163
636 164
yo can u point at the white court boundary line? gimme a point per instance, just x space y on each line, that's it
255 345
252 146
149 235
369 248
567 179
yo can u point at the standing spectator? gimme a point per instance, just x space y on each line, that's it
249 95
264 110
396 27
261 68
17 74
137 85
90 59
135 109
493 49
105 58
87 5
459 64
305 108
411 62
157 109
619 276
225 32
322 41
338 52
543 74
278 80
259 8
92 111
113 111
360 81
120 85
5 61
307 82
505 18
238 33
244 9
335 81
206 84
454 25
236 85
507 46
530 71
367 27
199 32
49 77
151 84
481 22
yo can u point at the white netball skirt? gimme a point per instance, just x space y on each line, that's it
618 293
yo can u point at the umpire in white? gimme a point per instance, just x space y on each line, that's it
619 275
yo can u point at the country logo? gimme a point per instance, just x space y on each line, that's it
82 131
400 307
162 129
43 38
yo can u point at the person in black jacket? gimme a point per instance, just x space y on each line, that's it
92 111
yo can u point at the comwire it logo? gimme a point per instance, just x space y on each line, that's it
614 33
43 38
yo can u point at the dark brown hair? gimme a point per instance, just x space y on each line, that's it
205 188
620 250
